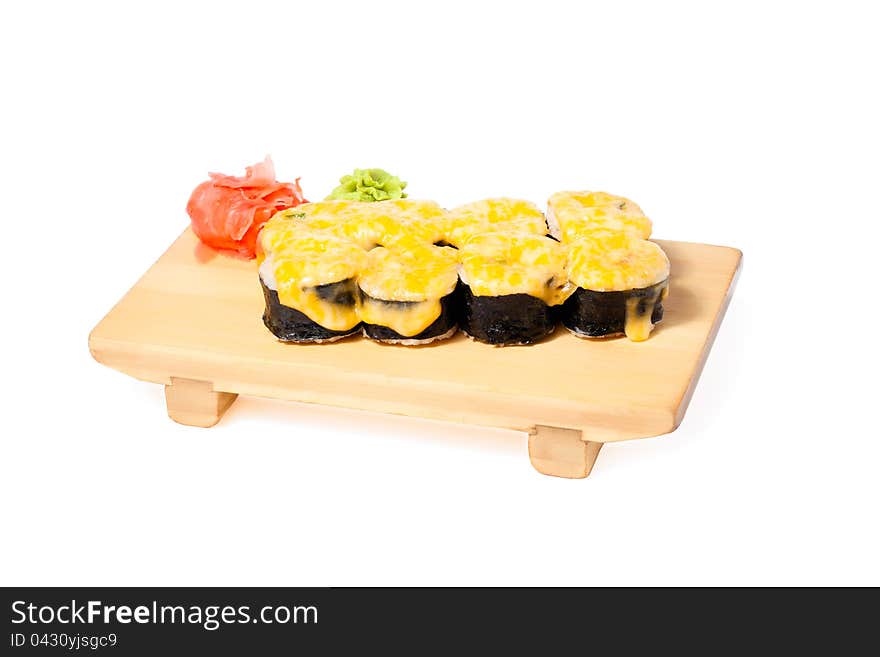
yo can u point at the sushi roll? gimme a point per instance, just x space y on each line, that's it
492 215
570 215
511 285
407 296
621 282
309 282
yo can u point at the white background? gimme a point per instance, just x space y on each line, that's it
754 125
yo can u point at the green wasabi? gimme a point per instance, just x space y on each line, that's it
368 185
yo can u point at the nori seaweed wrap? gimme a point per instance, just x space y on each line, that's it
508 319
290 325
511 286
591 314
621 282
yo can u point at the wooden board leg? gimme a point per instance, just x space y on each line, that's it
195 403
562 452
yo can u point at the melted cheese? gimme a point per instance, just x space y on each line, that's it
492 215
338 208
496 210
606 261
418 273
424 220
328 212
637 324
596 200
409 208
407 320
372 230
337 213
496 264
333 316
570 215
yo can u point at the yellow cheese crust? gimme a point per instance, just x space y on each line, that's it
384 223
407 320
573 214
416 274
614 261
390 231
598 200
492 215
321 212
496 264
410 208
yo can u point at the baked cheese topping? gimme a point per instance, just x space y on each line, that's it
597 200
317 259
495 264
320 216
422 220
373 224
491 215
326 214
497 210
370 231
324 209
416 274
410 208
614 261
570 215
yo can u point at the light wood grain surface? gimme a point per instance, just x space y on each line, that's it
196 315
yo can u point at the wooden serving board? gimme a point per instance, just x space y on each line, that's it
193 323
